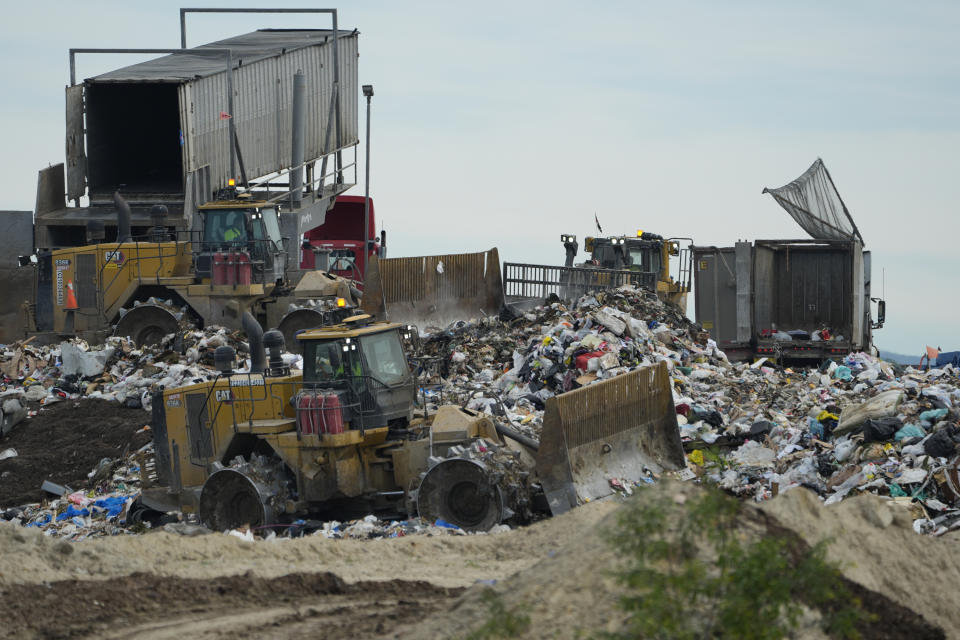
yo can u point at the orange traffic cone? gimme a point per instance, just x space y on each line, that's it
71 297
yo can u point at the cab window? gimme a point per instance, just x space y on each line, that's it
342 260
605 256
323 361
639 257
273 227
224 226
384 355
331 361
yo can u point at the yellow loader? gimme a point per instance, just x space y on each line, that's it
148 287
341 439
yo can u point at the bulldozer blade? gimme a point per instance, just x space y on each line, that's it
612 431
434 290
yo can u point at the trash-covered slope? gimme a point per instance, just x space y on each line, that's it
851 426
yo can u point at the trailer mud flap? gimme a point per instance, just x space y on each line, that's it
434 290
608 431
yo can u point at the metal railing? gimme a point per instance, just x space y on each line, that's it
536 281
315 185
683 265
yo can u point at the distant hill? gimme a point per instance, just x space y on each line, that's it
899 357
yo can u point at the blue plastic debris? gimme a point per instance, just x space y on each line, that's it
815 427
72 512
933 414
909 431
443 523
113 506
41 521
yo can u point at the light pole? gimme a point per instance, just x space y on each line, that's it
368 92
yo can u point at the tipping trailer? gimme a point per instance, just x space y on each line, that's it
751 296
806 299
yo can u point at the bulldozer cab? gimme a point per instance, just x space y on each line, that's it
240 240
365 362
643 256
633 254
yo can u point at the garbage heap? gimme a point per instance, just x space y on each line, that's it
509 368
844 427
103 509
117 370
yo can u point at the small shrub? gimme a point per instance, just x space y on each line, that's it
691 574
502 622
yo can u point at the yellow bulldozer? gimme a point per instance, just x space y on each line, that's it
147 288
647 255
341 438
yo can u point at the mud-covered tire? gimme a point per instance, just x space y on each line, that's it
147 324
231 499
461 492
295 321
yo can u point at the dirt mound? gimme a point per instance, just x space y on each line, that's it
29 557
63 443
558 571
228 605
873 539
573 593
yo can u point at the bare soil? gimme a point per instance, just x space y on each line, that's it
144 605
63 443
559 572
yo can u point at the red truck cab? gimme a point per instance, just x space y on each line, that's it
342 234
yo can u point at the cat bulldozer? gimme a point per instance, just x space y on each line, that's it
344 438
647 256
644 260
149 287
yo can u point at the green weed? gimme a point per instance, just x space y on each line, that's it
691 573
501 622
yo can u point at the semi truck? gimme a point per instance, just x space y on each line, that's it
336 246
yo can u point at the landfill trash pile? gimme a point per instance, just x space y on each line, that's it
96 512
841 429
510 368
93 446
117 370
846 427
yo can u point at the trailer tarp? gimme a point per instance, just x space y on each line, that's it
814 202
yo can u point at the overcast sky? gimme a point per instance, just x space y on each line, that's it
507 124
